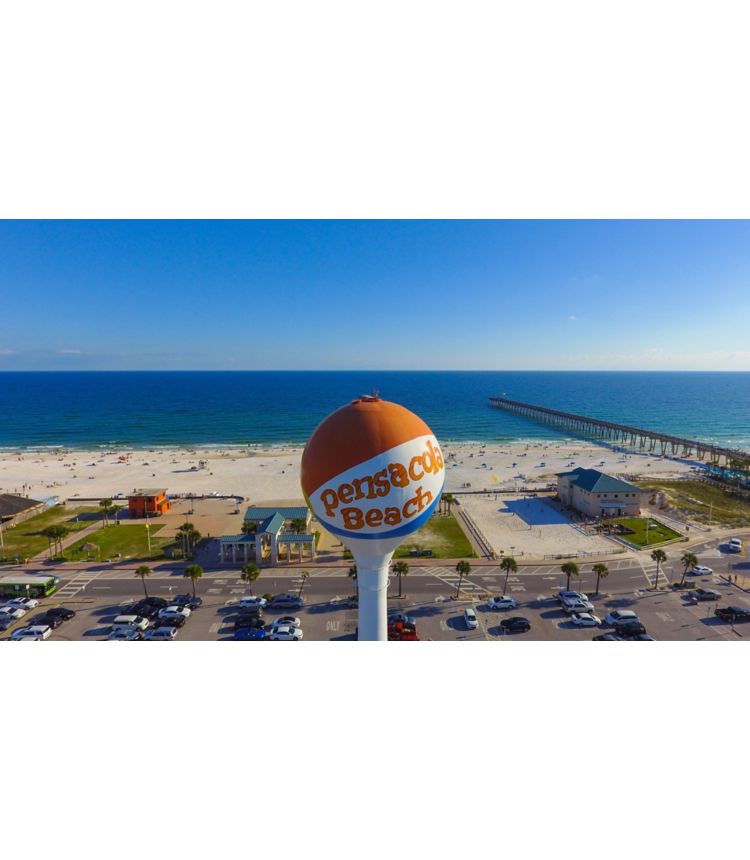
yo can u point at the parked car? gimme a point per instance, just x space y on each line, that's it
286 621
189 600
253 603
470 619
570 596
250 634
160 634
607 637
292 601
174 612
641 637
249 622
705 594
286 634
172 621
130 622
734 614
585 619
502 602
14 612
578 606
735 545
621 616
516 624
6 621
158 602
147 610
34 632
61 612
53 621
628 629
23 602
700 570
124 636
401 618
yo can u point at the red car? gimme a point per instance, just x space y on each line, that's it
401 631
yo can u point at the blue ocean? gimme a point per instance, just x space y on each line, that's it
150 409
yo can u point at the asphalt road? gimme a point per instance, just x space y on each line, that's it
429 595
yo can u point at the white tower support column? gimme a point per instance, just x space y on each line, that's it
372 590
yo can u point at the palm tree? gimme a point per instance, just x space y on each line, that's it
448 499
143 571
304 576
462 569
48 533
105 505
509 565
249 528
193 572
250 572
689 560
570 568
402 569
55 535
659 556
298 526
602 572
353 575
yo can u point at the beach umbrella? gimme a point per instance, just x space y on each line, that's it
372 472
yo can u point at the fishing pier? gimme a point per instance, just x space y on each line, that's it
635 437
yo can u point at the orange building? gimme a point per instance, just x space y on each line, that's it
148 503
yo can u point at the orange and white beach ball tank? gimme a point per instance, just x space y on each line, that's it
372 472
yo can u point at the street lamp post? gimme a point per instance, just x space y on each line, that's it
148 537
2 543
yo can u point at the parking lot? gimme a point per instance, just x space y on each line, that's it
99 595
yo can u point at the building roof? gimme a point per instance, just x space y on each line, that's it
146 493
290 537
237 539
260 514
272 524
594 481
10 505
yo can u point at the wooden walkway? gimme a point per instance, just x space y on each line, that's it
636 437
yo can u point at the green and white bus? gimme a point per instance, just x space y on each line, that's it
28 585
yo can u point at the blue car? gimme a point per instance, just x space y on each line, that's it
250 633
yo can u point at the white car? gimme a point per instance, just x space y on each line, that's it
13 612
570 596
735 545
160 634
33 633
470 619
586 619
23 602
621 616
700 570
174 612
286 633
253 603
286 621
502 602
578 606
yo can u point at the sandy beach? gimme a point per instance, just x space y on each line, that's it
262 475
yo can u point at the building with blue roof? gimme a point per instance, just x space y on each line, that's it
597 494
270 534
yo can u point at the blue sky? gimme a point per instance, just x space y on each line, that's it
603 295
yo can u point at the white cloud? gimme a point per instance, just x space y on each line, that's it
572 317
69 351
6 351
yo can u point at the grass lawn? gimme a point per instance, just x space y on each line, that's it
25 539
658 533
443 535
695 499
128 541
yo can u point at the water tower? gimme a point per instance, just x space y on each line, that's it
372 472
